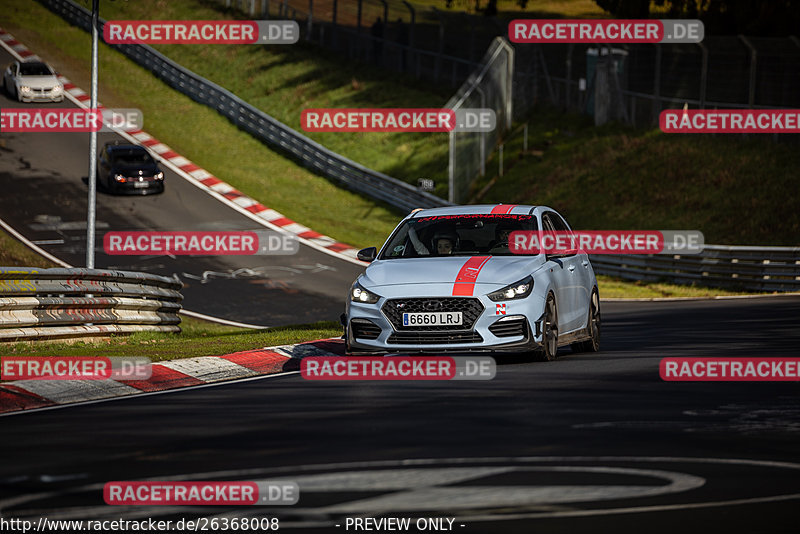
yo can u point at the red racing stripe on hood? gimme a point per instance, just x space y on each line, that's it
465 279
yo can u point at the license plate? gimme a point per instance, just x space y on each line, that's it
432 319
139 184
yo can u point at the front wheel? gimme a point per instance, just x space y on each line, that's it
593 343
549 350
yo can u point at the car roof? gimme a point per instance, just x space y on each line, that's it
35 62
115 145
479 209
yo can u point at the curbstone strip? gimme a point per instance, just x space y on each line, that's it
32 394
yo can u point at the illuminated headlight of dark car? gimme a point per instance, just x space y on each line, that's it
517 290
359 294
119 178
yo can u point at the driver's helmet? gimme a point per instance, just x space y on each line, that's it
445 235
502 232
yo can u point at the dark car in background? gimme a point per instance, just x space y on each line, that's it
128 168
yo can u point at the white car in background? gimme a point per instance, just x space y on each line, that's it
32 81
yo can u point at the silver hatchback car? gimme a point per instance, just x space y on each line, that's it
446 280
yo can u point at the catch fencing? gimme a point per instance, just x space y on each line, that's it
490 86
59 303
262 126
733 267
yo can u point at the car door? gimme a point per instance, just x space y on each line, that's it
103 167
562 281
580 281
572 313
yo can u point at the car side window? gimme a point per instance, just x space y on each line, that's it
557 222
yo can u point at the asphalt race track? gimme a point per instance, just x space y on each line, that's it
588 443
43 179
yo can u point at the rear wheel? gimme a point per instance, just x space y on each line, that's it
549 349
593 343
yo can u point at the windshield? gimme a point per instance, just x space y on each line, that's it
131 157
456 235
34 69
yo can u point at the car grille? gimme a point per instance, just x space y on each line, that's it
470 309
136 178
433 338
510 327
365 329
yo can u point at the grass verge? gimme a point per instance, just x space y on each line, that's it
199 338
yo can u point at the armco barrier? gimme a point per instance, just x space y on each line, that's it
54 303
736 267
254 121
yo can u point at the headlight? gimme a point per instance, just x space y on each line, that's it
57 89
517 290
25 89
359 294
120 178
160 176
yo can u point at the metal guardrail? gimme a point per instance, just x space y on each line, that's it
734 267
262 126
55 303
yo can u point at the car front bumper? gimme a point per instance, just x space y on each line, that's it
511 326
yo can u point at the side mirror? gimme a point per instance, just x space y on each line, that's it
561 254
367 254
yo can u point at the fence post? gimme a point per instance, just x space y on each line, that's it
265 9
438 64
500 160
751 96
335 30
570 47
451 168
703 76
310 20
525 138
657 87
482 134
411 49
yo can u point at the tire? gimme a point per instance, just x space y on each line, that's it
549 350
592 344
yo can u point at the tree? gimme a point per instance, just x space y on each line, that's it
749 17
